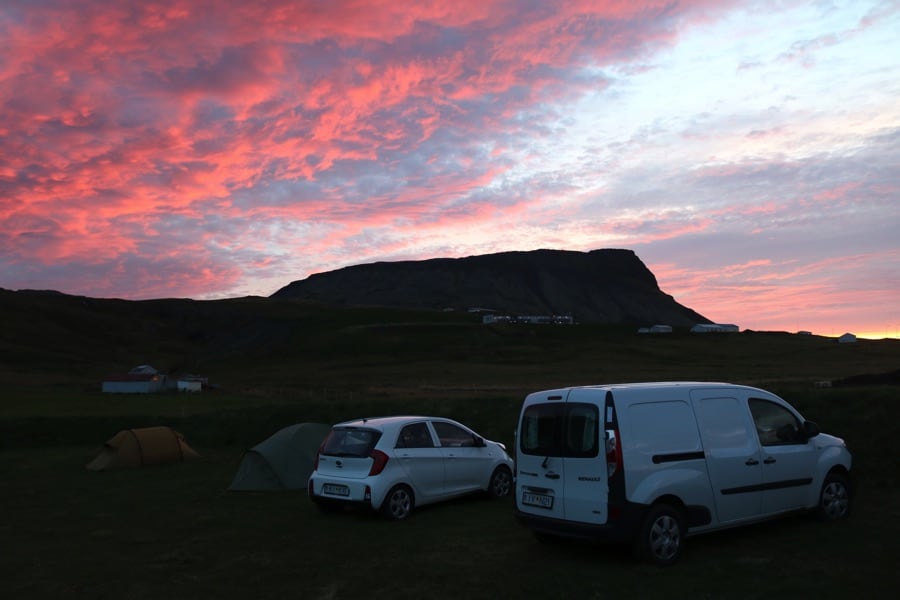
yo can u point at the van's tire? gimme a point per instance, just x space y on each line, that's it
501 483
660 539
398 504
834 498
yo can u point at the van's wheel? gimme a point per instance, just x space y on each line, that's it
398 504
501 483
661 537
834 499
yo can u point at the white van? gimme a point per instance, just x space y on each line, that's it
650 463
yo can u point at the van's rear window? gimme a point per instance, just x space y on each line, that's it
556 429
351 441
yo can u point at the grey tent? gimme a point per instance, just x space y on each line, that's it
283 461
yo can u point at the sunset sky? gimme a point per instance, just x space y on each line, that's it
747 151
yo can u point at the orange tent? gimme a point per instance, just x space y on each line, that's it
133 448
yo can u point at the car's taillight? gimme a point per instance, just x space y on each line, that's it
379 461
613 452
318 453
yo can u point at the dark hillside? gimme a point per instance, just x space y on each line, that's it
66 344
274 362
601 286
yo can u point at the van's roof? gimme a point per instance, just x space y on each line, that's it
650 384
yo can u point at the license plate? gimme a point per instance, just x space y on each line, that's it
539 500
335 490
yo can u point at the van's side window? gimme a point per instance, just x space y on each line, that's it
775 424
570 430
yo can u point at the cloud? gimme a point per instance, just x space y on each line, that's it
212 148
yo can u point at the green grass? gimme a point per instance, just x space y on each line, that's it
174 532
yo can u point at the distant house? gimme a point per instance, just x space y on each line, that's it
714 328
532 319
847 338
192 383
656 329
142 379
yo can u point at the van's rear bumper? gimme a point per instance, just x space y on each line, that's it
620 530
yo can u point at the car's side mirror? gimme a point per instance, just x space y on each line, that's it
479 441
810 429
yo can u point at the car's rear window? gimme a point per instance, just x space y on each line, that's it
570 430
351 441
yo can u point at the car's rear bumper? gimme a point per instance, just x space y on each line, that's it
357 491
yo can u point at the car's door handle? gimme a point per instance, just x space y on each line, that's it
551 475
751 461
769 460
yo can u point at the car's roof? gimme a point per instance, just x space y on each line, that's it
383 422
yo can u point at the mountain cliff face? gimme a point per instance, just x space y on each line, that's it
600 286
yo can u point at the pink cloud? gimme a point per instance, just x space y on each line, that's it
176 148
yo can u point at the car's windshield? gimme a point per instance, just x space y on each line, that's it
351 441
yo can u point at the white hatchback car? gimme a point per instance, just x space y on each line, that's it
393 464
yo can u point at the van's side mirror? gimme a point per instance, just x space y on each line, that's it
810 429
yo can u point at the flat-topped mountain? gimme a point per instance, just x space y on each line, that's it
601 286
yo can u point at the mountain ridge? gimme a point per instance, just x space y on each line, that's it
611 286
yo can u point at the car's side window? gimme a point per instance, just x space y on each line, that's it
415 435
452 436
775 424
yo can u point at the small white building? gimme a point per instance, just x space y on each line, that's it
847 338
187 385
656 329
715 328
192 383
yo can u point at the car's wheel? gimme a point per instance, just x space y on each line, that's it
501 483
398 504
834 499
661 537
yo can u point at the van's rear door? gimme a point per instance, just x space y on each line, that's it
561 471
586 487
539 460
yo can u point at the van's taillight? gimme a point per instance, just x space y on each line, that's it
613 452
379 461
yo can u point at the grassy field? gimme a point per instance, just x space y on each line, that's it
174 532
